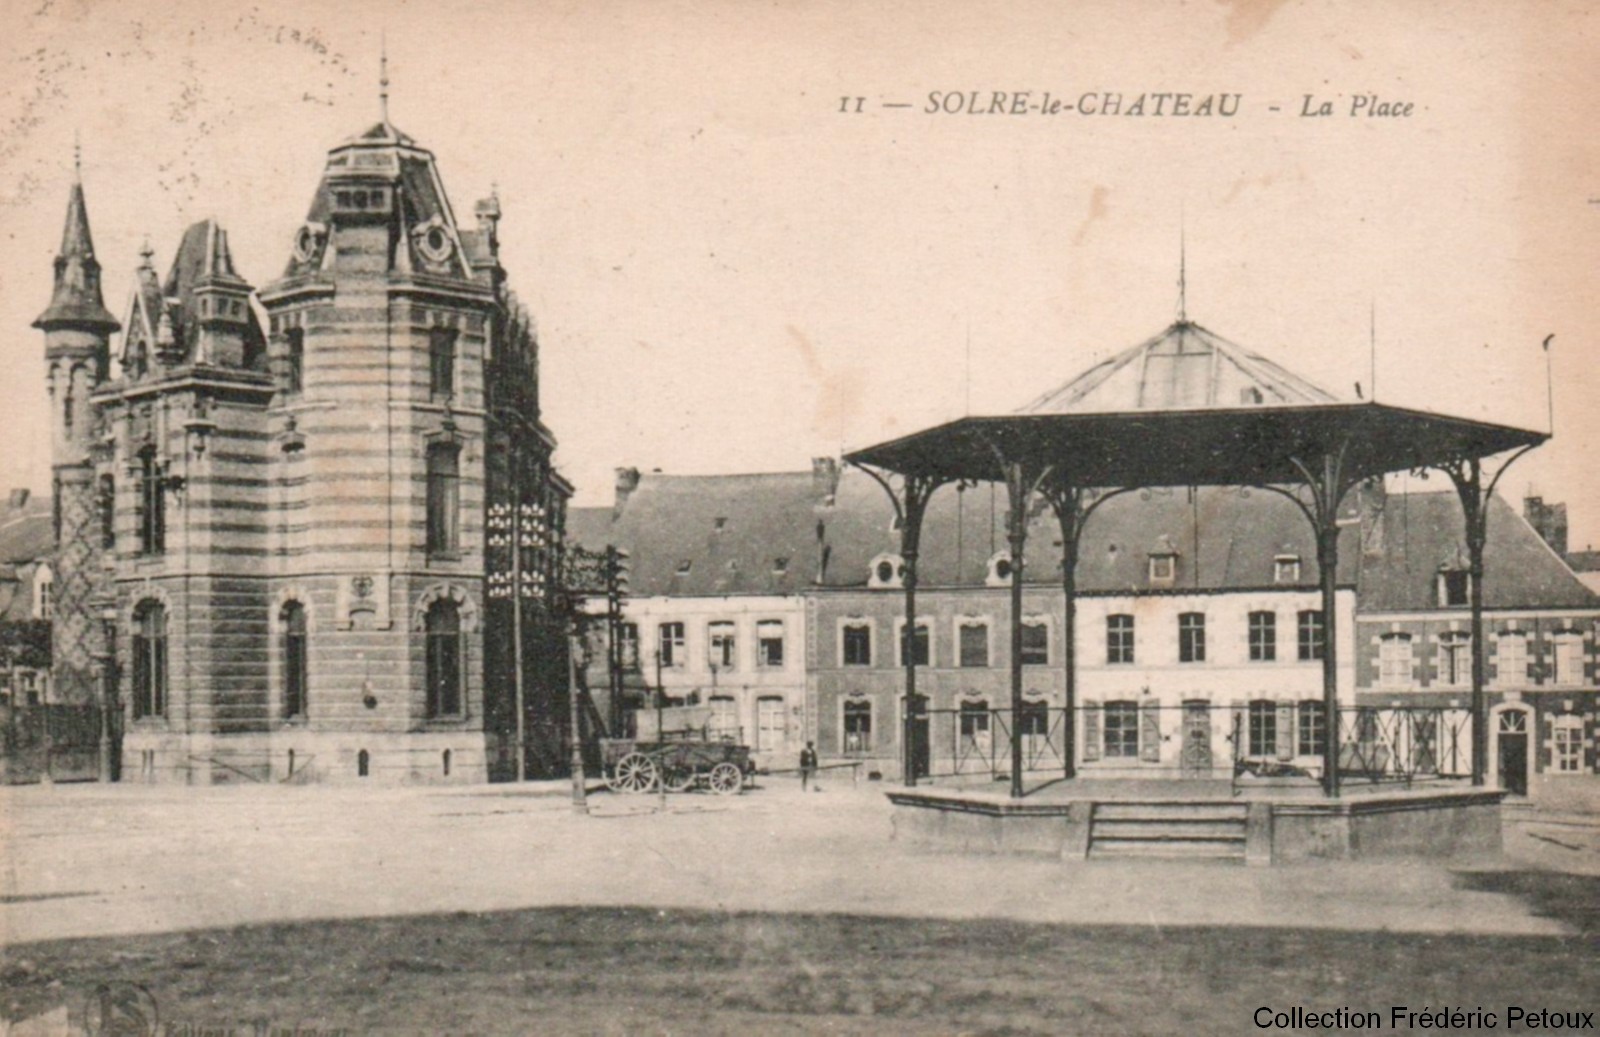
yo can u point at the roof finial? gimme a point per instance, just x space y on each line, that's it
146 253
383 74
1183 274
77 158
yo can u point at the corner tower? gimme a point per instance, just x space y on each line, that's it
77 331
406 430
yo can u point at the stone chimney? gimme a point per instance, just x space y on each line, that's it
1549 520
824 480
627 482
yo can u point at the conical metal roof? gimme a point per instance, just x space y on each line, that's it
1185 367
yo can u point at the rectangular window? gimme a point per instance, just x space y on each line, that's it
920 645
441 362
1313 725
769 643
46 600
1121 725
857 647
294 367
771 730
1263 728
1455 657
1035 644
152 505
1454 587
1192 637
669 642
108 512
1263 637
1119 639
724 718
857 726
722 647
974 643
444 499
628 643
1566 658
1394 660
1511 658
1312 635
1568 743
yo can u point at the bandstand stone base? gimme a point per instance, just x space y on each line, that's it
1255 826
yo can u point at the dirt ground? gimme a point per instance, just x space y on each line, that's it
501 910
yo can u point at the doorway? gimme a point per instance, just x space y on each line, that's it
1511 752
1196 759
916 734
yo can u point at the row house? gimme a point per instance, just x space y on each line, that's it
1414 637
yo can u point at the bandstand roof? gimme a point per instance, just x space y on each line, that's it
1168 413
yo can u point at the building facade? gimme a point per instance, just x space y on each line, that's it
301 531
1199 638
1414 638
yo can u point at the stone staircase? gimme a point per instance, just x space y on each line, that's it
1193 829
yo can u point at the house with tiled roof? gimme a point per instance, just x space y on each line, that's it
1414 640
27 584
720 571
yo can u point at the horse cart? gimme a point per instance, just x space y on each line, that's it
679 758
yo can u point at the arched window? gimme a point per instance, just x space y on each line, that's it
444 499
443 631
293 617
149 660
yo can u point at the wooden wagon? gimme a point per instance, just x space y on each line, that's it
684 753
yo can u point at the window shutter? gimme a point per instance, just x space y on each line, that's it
1150 731
1286 731
1093 743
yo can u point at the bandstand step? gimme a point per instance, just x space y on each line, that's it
1168 829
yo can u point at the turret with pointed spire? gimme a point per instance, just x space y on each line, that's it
77 331
76 302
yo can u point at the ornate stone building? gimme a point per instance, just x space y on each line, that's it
310 533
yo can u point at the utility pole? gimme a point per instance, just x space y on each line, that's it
580 797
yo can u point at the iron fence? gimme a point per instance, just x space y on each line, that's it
58 741
1246 741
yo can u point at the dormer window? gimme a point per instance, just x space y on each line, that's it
683 567
999 570
1286 569
719 524
1163 567
886 571
1455 587
1250 396
780 566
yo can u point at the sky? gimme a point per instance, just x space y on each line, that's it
729 273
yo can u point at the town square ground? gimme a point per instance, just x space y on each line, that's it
430 910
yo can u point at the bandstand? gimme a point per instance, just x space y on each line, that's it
1180 421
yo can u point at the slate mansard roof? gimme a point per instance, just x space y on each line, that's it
1422 533
793 532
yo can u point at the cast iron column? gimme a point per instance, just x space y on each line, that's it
1467 475
916 490
1018 490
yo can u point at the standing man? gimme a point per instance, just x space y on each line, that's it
808 766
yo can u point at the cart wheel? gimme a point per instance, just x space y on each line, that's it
726 779
635 772
678 779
